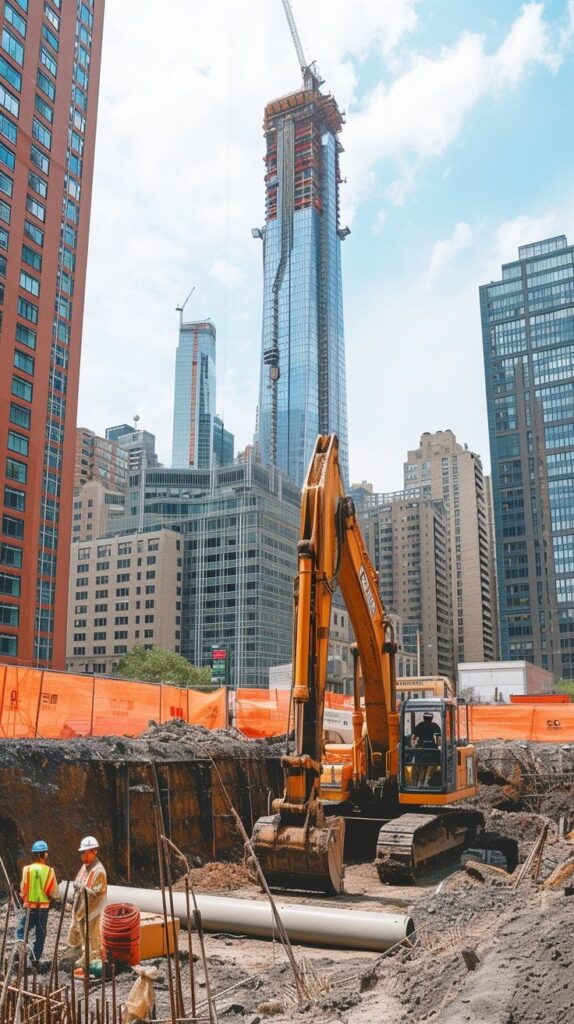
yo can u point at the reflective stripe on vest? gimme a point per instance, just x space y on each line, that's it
38 875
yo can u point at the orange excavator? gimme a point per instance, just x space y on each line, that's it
408 760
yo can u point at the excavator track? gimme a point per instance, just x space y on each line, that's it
412 842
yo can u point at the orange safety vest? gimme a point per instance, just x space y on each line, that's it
38 883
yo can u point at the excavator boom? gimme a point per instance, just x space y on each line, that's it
298 846
408 759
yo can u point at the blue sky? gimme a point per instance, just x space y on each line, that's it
458 147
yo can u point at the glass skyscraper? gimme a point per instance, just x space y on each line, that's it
194 404
528 337
302 385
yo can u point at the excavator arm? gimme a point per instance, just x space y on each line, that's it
297 845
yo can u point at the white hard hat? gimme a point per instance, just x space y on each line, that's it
89 843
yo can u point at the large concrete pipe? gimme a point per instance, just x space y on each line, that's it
311 924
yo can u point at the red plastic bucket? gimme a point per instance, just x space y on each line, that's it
120 932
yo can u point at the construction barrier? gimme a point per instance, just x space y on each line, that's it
541 723
259 713
56 705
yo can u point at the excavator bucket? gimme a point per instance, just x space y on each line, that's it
301 857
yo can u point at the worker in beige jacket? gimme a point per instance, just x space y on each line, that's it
91 880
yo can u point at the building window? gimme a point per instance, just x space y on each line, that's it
14 498
12 47
26 336
27 310
9 645
48 61
35 208
39 159
45 85
18 443
19 415
9 584
13 527
11 556
10 74
15 19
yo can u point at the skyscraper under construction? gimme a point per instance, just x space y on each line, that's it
302 385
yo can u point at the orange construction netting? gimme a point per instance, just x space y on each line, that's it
59 704
56 705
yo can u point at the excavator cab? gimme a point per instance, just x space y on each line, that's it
436 764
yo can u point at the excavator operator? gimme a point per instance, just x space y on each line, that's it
426 737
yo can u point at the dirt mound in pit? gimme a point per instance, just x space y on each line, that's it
517 939
174 740
217 877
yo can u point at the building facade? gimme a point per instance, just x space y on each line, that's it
302 381
442 469
123 591
49 74
528 339
138 444
95 506
223 443
488 502
407 539
98 458
194 396
239 527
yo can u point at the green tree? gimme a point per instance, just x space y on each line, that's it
566 686
156 665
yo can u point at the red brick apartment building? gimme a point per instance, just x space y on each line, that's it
50 52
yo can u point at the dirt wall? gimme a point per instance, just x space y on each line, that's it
61 791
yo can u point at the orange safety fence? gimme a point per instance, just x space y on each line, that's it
51 704
541 723
260 713
54 705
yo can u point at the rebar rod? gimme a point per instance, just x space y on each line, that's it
190 948
86 959
53 982
6 926
159 845
198 925
180 1009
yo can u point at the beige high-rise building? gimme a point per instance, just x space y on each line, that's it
95 506
124 590
442 469
407 541
98 458
492 565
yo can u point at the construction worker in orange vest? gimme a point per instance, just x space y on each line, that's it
91 879
37 888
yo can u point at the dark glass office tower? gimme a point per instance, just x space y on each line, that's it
528 336
302 385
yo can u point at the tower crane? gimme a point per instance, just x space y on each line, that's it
311 79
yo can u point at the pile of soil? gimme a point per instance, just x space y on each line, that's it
216 876
174 740
518 945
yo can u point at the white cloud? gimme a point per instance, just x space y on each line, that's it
227 273
527 42
446 249
424 109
